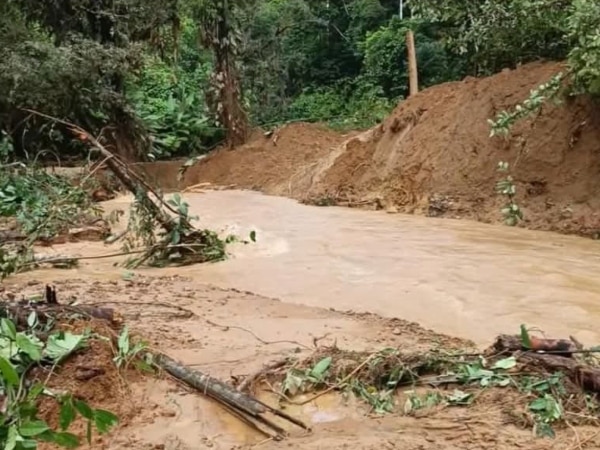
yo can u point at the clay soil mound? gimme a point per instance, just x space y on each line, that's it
276 163
433 155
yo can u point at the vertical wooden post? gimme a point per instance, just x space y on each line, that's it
413 79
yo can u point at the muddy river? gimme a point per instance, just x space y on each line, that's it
457 277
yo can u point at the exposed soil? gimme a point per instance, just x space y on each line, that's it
433 156
230 334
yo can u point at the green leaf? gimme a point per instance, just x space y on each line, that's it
104 420
505 364
27 444
11 439
184 209
61 345
504 382
33 428
67 440
35 391
321 367
9 373
32 319
539 404
84 409
67 414
253 236
525 340
30 345
292 383
123 342
459 397
8 328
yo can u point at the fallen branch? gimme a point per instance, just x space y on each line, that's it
555 355
262 341
508 343
50 310
250 379
121 170
251 409
196 245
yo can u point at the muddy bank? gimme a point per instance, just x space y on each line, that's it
226 333
432 156
230 334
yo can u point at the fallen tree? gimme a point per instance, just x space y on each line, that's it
178 241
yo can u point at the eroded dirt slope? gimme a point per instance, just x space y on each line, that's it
433 155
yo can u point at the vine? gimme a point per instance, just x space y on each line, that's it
537 97
511 211
502 125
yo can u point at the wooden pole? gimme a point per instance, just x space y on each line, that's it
413 79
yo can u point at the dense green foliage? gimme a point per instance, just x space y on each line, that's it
142 72
25 348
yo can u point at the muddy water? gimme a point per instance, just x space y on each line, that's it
462 278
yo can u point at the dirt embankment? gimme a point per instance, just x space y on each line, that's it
433 155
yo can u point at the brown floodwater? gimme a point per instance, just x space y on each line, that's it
458 277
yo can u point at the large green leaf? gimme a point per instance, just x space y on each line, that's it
33 428
104 420
8 328
30 345
61 345
9 373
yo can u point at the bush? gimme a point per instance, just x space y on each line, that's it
584 32
350 103
168 96
170 102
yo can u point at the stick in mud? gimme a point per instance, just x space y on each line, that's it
226 395
50 309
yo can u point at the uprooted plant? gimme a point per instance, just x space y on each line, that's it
178 241
548 394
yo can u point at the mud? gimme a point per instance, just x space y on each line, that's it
230 333
432 156
226 333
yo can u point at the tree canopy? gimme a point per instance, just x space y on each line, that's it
161 79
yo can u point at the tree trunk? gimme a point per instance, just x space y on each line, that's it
412 63
227 101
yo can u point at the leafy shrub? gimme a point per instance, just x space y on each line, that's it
173 109
490 35
20 351
349 103
584 32
43 204
168 95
